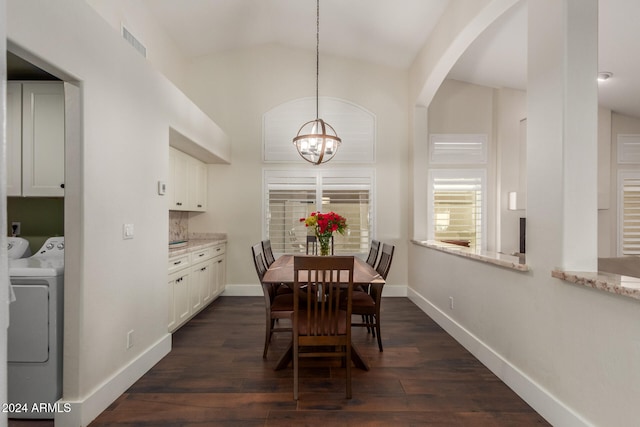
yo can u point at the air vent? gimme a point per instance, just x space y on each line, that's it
133 41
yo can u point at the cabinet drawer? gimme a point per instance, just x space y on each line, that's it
201 255
218 250
178 263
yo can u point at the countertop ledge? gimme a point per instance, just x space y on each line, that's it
199 241
609 282
495 258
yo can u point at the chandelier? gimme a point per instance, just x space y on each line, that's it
317 142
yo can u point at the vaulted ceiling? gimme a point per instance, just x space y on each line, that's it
392 32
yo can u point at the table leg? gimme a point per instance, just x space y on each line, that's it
358 361
287 357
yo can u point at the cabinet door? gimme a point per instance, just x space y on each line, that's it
178 184
14 139
199 275
200 193
43 139
172 318
181 298
220 271
207 284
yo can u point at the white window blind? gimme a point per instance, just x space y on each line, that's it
458 149
628 149
291 195
629 213
456 207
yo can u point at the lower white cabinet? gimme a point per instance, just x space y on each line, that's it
195 280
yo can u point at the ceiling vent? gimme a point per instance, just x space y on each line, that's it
133 41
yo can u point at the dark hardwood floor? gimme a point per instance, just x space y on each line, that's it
215 376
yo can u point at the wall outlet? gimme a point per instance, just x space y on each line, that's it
129 339
16 228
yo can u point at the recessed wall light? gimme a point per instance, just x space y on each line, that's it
604 75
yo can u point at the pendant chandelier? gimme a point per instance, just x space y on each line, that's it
317 142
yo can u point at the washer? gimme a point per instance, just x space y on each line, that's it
34 343
18 247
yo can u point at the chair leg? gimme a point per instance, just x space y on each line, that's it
267 337
378 329
348 370
295 372
366 321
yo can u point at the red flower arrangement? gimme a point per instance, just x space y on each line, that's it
324 225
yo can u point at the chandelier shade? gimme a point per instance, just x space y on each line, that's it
317 141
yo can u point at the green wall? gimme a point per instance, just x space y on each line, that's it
40 218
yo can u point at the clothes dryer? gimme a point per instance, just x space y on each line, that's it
34 343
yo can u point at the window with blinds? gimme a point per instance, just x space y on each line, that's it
456 204
629 212
291 195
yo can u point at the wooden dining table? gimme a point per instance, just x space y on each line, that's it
281 272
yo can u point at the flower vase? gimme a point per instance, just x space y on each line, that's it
325 242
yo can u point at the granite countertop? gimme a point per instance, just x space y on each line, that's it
609 282
196 241
502 260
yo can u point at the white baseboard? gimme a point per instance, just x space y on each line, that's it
549 407
242 291
82 412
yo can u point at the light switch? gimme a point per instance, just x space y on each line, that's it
127 231
162 188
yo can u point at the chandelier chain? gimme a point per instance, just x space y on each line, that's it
317 54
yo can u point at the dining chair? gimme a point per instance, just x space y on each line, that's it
268 252
312 245
277 305
321 328
367 301
373 253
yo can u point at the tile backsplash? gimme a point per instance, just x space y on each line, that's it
178 226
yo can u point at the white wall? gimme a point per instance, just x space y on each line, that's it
239 87
118 153
135 17
510 110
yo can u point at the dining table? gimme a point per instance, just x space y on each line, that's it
281 272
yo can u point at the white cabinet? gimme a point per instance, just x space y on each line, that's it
35 136
14 139
220 271
187 182
195 280
179 307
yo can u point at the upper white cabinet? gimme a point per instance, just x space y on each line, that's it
14 139
187 182
35 139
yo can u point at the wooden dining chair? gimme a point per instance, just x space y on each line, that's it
321 328
373 253
277 305
268 252
367 301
